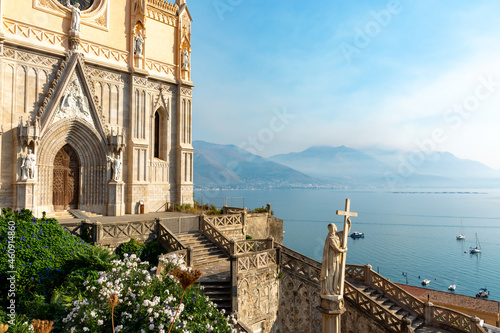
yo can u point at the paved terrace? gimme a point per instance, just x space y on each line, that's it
128 217
483 308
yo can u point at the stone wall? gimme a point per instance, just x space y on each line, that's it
264 225
257 290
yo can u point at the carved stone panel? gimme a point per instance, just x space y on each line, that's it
74 103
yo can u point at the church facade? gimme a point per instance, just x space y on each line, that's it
96 105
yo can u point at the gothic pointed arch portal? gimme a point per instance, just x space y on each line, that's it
82 147
66 179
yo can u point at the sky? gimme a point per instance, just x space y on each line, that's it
280 76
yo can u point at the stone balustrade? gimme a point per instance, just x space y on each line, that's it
215 235
435 316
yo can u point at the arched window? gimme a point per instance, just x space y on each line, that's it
157 136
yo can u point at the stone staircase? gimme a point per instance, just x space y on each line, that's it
417 323
215 265
204 252
72 214
219 292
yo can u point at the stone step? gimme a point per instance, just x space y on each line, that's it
218 292
385 301
209 261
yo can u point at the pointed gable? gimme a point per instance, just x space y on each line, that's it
71 96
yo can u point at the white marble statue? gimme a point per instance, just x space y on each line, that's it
116 165
139 43
185 60
28 166
332 260
75 15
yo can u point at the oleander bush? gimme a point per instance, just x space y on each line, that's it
146 302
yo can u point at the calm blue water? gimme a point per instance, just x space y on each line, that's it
412 232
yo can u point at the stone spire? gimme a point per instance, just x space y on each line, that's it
180 2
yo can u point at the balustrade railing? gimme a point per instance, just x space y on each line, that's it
253 245
446 318
229 220
256 260
371 278
387 318
300 265
212 233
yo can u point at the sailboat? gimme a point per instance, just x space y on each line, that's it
476 249
462 235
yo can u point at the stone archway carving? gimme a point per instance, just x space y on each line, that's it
91 151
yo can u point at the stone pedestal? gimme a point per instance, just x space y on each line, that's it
74 40
331 308
26 195
116 206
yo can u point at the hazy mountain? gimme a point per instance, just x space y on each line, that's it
218 166
334 163
385 168
228 166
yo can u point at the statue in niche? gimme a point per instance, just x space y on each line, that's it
185 60
116 166
75 15
139 43
332 260
28 166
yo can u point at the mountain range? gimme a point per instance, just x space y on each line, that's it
227 166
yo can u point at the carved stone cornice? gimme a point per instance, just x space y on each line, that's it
164 6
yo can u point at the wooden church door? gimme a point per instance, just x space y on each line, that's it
66 179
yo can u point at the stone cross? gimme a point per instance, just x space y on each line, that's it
346 215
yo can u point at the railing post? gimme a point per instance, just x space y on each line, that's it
243 226
368 275
234 280
202 223
475 324
428 313
269 243
406 326
232 245
188 255
157 227
98 232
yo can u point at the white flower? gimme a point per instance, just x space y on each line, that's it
99 322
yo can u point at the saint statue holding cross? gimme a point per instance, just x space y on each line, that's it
334 256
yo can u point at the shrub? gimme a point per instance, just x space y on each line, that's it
260 210
147 251
147 303
42 251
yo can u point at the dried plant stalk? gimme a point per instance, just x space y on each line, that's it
187 279
42 326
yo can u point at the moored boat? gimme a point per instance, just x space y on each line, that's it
483 293
357 235
461 236
426 282
477 249
452 287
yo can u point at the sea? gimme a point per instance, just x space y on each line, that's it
410 235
